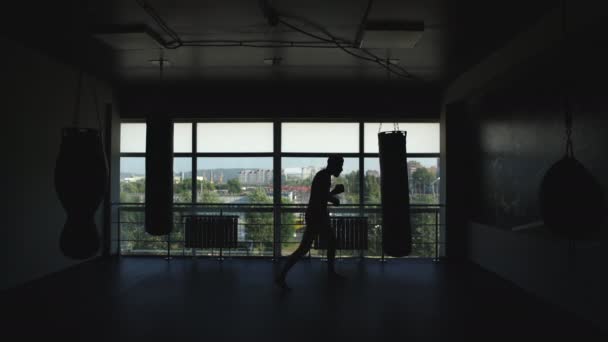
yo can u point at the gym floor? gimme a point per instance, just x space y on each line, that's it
144 298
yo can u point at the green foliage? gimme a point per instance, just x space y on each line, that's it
132 192
372 189
182 191
234 186
259 224
206 192
421 180
351 187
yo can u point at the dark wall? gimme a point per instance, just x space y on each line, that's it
38 101
515 120
520 132
282 100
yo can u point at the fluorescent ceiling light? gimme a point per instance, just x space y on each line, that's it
137 37
387 35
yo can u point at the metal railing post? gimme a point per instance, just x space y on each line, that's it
436 235
118 227
382 259
168 257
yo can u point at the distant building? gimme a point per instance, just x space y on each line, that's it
292 173
255 177
309 171
372 173
133 179
305 172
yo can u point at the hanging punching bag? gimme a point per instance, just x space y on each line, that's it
81 176
395 194
159 175
571 200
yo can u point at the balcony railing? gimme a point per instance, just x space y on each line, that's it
259 236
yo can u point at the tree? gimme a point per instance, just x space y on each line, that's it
182 191
208 194
372 189
259 224
234 186
288 224
421 179
351 187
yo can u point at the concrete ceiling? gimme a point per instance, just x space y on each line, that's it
241 20
456 35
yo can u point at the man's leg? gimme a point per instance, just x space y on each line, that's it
302 249
331 255
331 251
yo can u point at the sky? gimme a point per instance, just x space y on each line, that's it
296 137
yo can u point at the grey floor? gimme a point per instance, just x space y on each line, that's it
143 299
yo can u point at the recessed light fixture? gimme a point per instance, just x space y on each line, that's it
272 61
156 62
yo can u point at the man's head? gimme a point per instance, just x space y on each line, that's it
334 165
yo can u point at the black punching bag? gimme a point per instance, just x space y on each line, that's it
81 176
571 200
395 194
159 175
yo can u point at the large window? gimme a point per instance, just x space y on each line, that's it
246 169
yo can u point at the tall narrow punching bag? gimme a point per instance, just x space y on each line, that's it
159 175
395 194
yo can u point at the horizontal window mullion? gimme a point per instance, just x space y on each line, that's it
183 155
319 154
234 154
408 155
132 154
423 155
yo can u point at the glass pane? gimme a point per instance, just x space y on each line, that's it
421 137
423 176
320 137
182 180
133 237
133 137
234 180
297 175
234 137
182 137
132 179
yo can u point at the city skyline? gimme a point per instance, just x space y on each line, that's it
136 165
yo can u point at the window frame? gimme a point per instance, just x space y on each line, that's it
277 156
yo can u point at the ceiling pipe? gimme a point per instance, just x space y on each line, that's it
359 36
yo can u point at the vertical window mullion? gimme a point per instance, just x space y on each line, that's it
276 175
194 163
361 167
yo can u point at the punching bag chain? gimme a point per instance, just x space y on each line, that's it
161 64
388 77
76 119
566 99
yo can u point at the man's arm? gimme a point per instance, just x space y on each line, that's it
338 189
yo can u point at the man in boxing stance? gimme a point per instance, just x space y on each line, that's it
317 219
